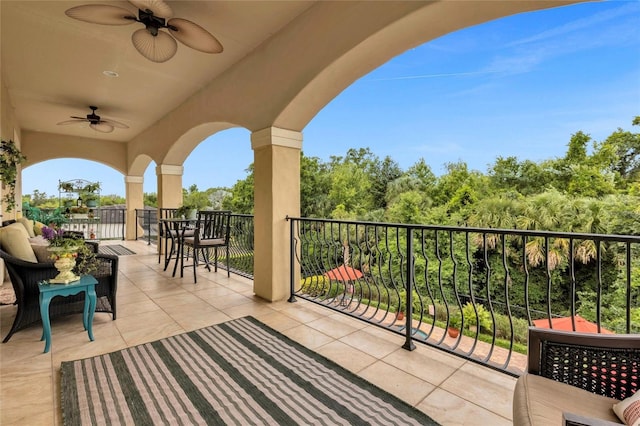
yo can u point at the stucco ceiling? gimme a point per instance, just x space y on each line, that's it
53 65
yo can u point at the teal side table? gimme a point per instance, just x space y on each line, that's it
48 291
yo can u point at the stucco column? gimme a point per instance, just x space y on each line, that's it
135 200
169 185
276 196
169 190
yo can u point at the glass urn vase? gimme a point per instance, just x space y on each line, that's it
65 261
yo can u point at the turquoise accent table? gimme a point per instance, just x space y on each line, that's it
48 291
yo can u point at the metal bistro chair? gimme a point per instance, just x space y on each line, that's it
211 232
164 213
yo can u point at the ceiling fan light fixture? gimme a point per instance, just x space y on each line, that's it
101 127
101 14
158 7
158 48
193 35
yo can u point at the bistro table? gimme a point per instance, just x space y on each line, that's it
176 228
86 283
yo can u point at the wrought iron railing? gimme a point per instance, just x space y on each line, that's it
104 223
491 284
147 225
240 246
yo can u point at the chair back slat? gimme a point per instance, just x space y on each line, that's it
165 213
213 224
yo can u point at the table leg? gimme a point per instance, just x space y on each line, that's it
90 302
46 325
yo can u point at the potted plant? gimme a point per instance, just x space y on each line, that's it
65 187
10 158
187 211
90 199
455 321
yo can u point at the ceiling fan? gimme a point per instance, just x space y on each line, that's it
96 123
152 42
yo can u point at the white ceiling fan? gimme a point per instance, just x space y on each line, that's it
155 41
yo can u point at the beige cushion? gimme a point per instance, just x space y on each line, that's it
28 224
629 410
15 241
541 401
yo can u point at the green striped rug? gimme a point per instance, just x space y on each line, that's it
240 372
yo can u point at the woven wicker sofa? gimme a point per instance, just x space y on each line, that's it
576 378
26 274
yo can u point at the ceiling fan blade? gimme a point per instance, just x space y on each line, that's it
114 123
101 14
158 7
194 36
102 127
78 120
160 48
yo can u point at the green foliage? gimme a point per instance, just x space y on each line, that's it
10 159
470 319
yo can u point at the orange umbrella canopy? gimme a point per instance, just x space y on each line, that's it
564 323
343 273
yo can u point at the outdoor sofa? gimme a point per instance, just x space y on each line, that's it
28 265
577 379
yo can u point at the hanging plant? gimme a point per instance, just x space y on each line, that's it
9 160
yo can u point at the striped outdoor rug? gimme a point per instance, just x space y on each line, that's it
240 372
116 249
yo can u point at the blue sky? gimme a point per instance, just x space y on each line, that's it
519 86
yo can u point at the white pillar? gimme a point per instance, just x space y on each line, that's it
276 196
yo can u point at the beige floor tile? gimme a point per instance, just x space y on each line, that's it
183 298
230 300
405 386
278 321
128 309
346 356
332 327
307 336
448 409
428 364
301 313
475 383
147 327
249 309
370 344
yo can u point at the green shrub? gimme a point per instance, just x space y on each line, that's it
483 317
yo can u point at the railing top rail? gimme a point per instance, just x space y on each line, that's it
532 233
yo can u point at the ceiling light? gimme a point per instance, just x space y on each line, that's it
111 73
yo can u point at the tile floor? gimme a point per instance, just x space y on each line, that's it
153 305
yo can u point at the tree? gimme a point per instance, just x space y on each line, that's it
241 200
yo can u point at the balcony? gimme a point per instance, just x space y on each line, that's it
153 305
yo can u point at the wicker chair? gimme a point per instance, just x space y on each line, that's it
576 377
26 275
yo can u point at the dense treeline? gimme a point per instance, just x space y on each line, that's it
595 187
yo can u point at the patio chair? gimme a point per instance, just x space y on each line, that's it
211 232
25 276
576 378
165 213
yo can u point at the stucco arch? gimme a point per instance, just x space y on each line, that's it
139 165
39 147
414 29
185 144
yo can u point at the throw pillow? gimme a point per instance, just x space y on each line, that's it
15 241
28 225
37 227
628 410
40 247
